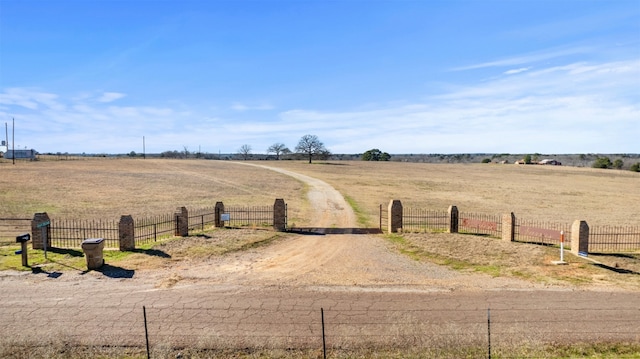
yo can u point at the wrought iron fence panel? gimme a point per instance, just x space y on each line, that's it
424 220
614 239
69 233
478 223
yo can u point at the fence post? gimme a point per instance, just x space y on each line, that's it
579 237
454 216
38 234
509 227
279 215
395 216
182 222
219 210
126 233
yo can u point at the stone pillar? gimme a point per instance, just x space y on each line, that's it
509 227
579 237
280 215
395 216
182 222
40 231
219 210
126 233
454 216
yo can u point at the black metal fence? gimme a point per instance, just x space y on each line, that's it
257 216
65 233
10 228
614 239
424 220
202 218
150 229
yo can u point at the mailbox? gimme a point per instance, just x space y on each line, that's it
23 238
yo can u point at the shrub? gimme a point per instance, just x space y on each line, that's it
602 162
617 164
635 167
486 160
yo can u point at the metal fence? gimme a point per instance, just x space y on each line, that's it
70 233
150 229
614 239
424 220
201 218
480 224
12 227
539 232
258 216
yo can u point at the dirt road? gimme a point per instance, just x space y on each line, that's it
274 294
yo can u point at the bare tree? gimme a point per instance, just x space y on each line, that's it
245 151
310 145
278 149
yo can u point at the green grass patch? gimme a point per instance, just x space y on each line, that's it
361 216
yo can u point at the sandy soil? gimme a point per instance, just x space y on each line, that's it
316 259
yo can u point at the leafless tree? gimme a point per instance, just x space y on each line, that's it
278 149
245 151
310 145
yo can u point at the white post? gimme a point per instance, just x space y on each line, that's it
561 246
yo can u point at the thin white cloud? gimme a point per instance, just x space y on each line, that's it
533 57
110 97
517 71
241 107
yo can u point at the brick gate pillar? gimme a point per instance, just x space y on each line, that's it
182 222
579 237
454 217
395 216
219 210
509 227
126 233
40 231
280 215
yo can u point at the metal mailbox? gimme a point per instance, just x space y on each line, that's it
23 238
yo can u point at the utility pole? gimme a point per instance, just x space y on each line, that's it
13 134
144 152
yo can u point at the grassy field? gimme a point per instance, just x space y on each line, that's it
108 188
543 193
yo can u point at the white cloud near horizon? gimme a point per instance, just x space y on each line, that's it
576 107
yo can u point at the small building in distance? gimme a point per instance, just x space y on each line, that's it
21 154
549 162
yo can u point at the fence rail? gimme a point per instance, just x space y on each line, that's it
424 220
201 218
12 227
482 224
260 216
149 229
614 238
71 233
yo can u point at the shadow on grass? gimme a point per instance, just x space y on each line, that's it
152 252
71 252
616 269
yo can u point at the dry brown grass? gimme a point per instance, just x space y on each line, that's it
543 193
109 188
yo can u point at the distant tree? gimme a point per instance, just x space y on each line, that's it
602 162
486 160
186 151
132 154
245 151
635 167
375 155
311 146
527 159
617 164
278 149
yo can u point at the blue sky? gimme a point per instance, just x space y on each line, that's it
402 76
